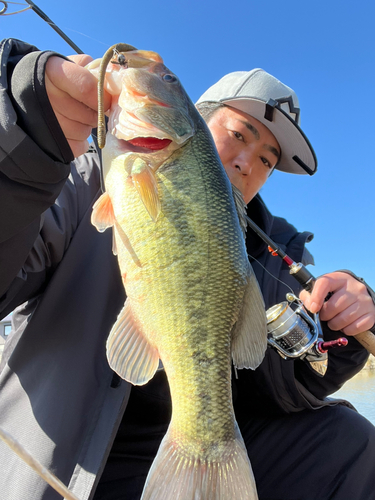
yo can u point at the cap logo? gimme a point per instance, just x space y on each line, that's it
287 102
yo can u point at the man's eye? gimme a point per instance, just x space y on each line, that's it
237 135
266 162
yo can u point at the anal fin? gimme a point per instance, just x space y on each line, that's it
129 353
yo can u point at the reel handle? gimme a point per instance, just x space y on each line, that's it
325 346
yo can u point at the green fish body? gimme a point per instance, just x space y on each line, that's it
192 299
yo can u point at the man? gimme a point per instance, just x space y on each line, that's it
57 393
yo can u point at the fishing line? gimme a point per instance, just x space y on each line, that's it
4 9
32 6
83 34
274 277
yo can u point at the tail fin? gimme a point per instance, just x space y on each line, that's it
175 475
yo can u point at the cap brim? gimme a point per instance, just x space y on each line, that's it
295 147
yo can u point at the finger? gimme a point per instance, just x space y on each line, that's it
336 304
65 105
304 296
315 300
346 317
80 59
76 81
361 324
345 298
72 79
73 130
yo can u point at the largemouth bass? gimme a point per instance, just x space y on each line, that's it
193 302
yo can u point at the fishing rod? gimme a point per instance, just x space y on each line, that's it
307 281
32 462
45 18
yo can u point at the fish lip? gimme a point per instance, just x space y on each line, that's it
127 147
156 143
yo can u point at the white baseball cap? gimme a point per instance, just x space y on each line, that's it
264 97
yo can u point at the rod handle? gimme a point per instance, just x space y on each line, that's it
32 462
367 339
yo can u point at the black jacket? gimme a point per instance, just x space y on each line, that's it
58 396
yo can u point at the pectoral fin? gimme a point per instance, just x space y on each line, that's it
249 334
102 216
145 182
128 351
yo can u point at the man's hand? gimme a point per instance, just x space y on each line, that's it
350 308
72 91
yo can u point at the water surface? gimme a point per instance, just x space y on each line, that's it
360 391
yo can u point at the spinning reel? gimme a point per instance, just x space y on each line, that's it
291 330
295 334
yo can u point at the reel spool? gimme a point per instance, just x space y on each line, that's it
294 334
291 332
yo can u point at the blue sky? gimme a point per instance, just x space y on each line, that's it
324 50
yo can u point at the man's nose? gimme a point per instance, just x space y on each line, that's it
244 163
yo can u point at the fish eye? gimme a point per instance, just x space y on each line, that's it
122 60
169 78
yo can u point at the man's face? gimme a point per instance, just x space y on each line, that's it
247 148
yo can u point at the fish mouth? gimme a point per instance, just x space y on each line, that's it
138 135
144 145
151 143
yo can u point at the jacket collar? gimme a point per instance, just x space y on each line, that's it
259 213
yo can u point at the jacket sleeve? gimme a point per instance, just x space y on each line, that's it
34 166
